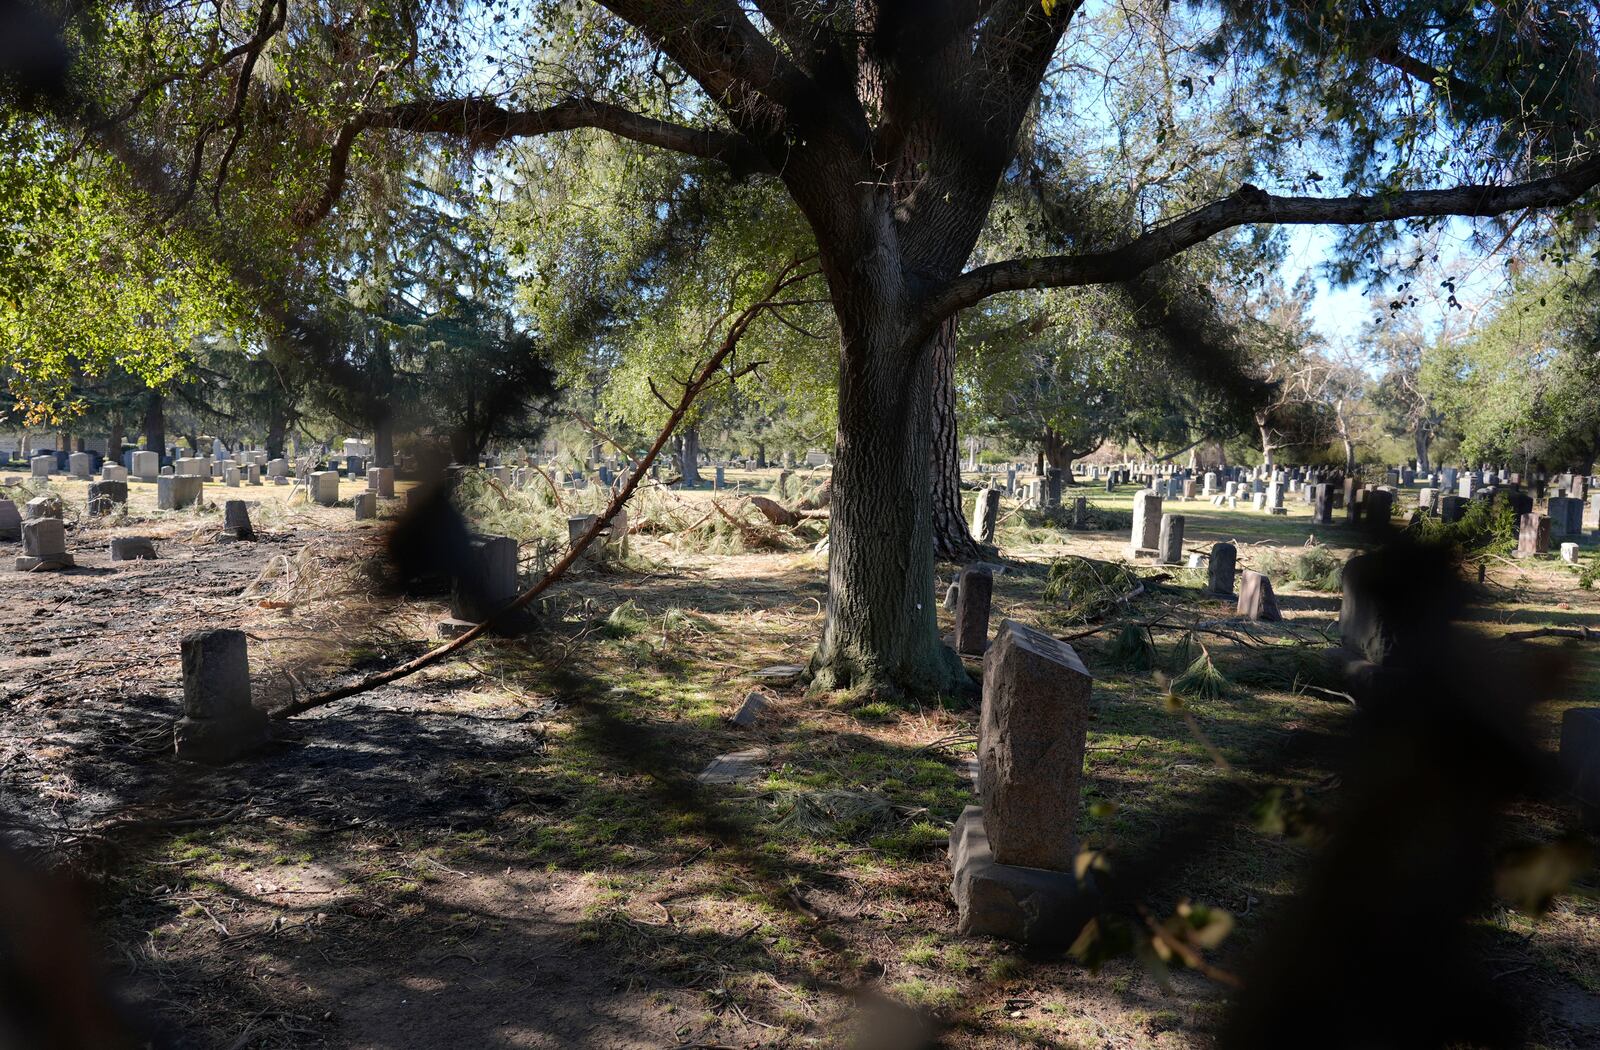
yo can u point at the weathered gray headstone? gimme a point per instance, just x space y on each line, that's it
1533 535
1146 536
1569 553
1012 857
1171 540
44 545
1219 571
1566 517
132 548
10 521
490 579
113 472
1256 600
42 507
1036 696
1379 508
105 495
146 465
985 512
974 594
42 466
174 491
755 705
324 486
219 722
236 520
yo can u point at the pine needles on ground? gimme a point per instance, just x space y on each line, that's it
1132 649
835 812
1200 678
1091 590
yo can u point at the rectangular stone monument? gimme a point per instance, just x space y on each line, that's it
1533 535
366 505
42 466
1170 540
43 507
105 495
1566 517
1256 599
44 546
1379 508
1322 504
277 468
10 521
80 465
324 487
489 581
1146 538
1012 857
175 492
113 472
219 722
974 593
1220 568
985 513
146 465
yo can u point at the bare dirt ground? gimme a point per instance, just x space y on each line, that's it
510 849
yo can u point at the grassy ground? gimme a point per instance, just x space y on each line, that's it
511 848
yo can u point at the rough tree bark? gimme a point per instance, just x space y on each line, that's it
277 428
880 633
952 539
383 443
691 457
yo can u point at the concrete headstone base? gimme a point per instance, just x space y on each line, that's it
55 561
1027 905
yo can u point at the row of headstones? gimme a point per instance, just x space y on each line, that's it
41 529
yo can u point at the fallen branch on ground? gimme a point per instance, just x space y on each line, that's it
702 378
1583 634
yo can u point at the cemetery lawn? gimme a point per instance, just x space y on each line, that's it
512 849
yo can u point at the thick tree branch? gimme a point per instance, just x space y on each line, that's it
485 121
1246 206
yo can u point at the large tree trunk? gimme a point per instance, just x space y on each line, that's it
881 632
114 441
155 424
1424 439
952 539
1054 452
383 442
277 428
691 457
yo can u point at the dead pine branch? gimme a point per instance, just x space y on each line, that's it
792 273
1583 634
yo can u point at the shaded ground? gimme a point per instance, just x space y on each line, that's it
510 849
